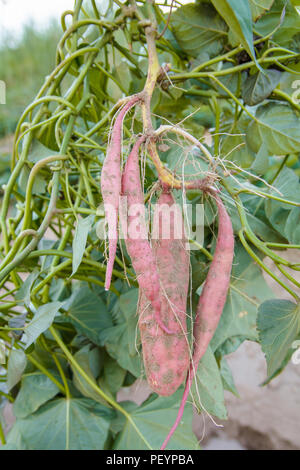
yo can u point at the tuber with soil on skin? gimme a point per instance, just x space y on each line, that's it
166 356
211 302
137 243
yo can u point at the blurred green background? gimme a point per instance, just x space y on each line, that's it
23 67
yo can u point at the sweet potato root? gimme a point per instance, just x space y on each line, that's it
211 302
111 185
166 356
137 243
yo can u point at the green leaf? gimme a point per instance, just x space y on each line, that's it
45 358
198 29
278 323
45 244
292 226
261 162
89 361
16 365
39 185
23 294
259 86
238 17
123 75
88 313
120 340
281 368
230 345
278 126
260 7
287 186
83 227
14 440
234 146
227 378
36 389
10 447
38 152
41 321
113 375
46 136
154 419
247 290
207 389
289 82
257 223
59 290
283 18
233 81
75 424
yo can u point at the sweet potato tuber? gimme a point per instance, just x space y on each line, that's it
111 185
211 302
166 356
137 242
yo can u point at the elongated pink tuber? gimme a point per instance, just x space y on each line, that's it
211 302
111 185
166 356
137 242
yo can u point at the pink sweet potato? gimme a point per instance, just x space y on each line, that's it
211 302
111 185
137 242
214 294
166 356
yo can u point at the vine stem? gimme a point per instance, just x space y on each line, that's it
63 377
167 22
95 387
51 208
153 72
264 267
165 175
232 286
47 373
7 396
2 435
58 365
179 131
262 246
286 97
231 70
32 245
269 196
40 101
17 243
16 169
33 174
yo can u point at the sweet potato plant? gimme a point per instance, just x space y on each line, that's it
159 102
